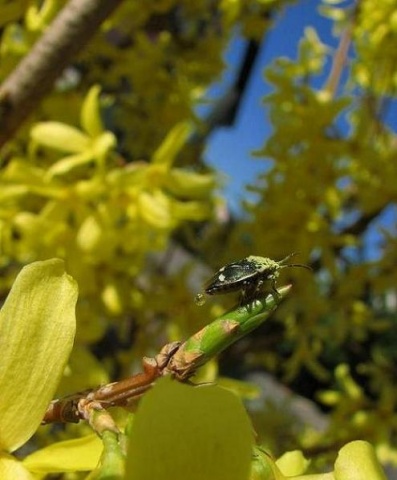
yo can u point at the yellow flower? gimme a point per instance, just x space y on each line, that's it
37 328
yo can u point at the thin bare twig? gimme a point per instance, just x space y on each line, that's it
340 57
34 76
339 62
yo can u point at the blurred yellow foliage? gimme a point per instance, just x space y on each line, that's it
107 174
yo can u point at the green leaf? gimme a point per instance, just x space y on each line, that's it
37 328
80 454
182 432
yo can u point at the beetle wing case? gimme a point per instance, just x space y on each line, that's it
231 277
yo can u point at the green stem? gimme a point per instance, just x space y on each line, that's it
221 333
112 462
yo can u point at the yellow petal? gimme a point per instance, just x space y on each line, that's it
194 211
172 144
314 476
103 144
37 19
37 327
292 463
67 164
243 389
90 118
80 454
111 296
155 209
187 184
196 433
90 234
357 461
12 469
60 136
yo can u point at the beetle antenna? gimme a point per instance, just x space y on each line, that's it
282 262
298 265
287 258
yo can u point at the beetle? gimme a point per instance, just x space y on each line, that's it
246 276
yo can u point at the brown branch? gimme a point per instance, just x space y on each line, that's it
339 62
76 407
34 76
340 57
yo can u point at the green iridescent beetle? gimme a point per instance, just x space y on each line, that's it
246 276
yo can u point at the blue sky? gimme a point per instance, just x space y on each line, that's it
229 148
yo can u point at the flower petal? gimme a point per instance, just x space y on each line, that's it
60 136
37 328
90 118
172 144
357 461
196 433
12 469
79 454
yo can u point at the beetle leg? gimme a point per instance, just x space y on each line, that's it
250 292
246 294
275 292
258 286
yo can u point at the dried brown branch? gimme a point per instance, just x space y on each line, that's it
33 78
76 407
